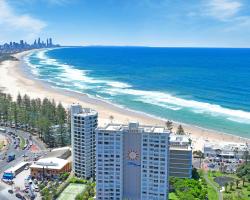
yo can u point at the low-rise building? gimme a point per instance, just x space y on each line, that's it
49 167
180 163
225 150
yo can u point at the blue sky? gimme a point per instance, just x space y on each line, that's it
189 23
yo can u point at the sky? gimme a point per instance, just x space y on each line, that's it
170 23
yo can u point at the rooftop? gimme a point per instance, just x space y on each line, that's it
134 127
50 163
179 142
227 146
79 111
181 139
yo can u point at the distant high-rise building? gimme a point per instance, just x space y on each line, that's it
21 43
47 43
50 42
180 163
38 41
132 162
83 124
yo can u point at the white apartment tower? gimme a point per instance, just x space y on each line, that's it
83 124
132 162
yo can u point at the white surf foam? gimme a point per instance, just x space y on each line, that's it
164 99
117 84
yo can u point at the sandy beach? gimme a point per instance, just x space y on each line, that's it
14 80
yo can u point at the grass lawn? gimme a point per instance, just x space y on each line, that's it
235 193
71 191
1 144
22 142
212 194
172 196
211 175
238 193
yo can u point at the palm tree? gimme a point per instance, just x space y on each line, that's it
236 151
169 125
180 130
246 155
111 118
243 181
237 183
231 185
199 154
226 185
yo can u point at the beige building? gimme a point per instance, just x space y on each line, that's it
49 167
180 163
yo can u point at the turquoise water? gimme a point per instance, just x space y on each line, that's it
206 87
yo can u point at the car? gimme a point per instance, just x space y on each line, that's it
27 167
36 188
19 196
10 191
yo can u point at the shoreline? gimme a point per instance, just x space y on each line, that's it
15 79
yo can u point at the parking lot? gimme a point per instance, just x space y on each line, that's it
21 185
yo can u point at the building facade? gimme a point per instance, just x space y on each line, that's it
180 163
132 162
83 124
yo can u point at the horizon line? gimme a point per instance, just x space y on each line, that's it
144 46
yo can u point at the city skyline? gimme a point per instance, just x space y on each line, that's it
215 23
14 47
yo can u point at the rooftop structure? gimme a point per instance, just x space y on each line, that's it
62 152
50 163
134 127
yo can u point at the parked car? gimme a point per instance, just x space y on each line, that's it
10 191
19 196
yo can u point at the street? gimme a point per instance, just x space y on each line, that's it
19 153
28 154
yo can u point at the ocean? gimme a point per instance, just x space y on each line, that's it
205 87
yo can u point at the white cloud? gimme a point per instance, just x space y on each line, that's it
19 22
223 9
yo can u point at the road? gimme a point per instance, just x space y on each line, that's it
214 186
4 165
19 152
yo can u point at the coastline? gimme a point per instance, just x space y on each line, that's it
14 80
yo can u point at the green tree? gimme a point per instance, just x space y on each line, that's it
199 154
226 185
180 130
111 118
237 183
61 119
236 151
231 185
169 125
